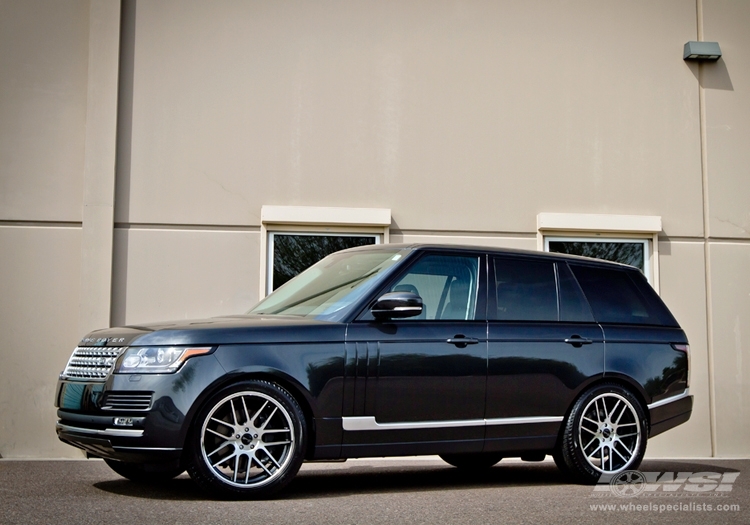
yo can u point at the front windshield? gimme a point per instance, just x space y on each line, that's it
330 285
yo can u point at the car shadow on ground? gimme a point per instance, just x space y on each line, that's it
356 479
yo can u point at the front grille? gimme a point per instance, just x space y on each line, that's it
114 401
92 362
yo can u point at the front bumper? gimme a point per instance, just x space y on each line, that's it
138 418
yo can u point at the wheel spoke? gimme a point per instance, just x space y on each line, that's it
627 435
268 420
259 462
597 411
597 449
618 453
218 449
614 410
247 415
223 423
224 460
625 447
274 443
255 416
622 413
234 414
276 431
588 430
589 443
268 454
222 436
236 467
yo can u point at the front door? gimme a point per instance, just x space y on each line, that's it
424 377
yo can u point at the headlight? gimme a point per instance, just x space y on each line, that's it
156 359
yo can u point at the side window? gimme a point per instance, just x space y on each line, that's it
525 290
573 305
447 285
613 296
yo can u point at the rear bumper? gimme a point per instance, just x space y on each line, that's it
670 412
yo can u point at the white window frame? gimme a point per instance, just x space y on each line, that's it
310 220
581 227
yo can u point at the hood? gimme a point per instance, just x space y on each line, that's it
237 329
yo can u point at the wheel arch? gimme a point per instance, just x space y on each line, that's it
285 381
624 381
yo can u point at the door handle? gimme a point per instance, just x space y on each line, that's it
578 341
461 341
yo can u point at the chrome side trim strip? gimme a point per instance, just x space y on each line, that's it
147 449
668 400
113 432
360 423
524 420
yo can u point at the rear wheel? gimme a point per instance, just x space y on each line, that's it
475 461
605 434
248 441
145 473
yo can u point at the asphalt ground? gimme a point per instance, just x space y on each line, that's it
388 491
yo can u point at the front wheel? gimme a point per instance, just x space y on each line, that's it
248 441
604 434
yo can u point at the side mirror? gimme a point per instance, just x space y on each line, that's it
397 305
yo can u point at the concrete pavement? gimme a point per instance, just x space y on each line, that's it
409 490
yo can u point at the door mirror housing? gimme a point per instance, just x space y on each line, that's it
397 305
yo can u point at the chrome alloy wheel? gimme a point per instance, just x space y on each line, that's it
609 433
247 440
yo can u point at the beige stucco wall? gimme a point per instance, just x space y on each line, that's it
177 274
43 72
39 318
43 97
465 119
396 104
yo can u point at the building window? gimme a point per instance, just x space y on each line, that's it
627 239
293 238
291 253
634 252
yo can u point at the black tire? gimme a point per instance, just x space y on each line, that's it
605 433
266 446
144 473
474 461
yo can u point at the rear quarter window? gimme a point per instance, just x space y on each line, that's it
616 296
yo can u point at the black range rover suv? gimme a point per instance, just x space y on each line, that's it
471 353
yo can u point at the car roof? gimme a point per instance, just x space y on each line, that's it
489 250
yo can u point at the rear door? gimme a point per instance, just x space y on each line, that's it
543 347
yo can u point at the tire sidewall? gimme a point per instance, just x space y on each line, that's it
202 473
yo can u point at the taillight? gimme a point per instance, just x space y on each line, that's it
686 349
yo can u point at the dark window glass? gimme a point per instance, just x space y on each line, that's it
293 254
613 296
526 290
573 305
622 252
446 284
